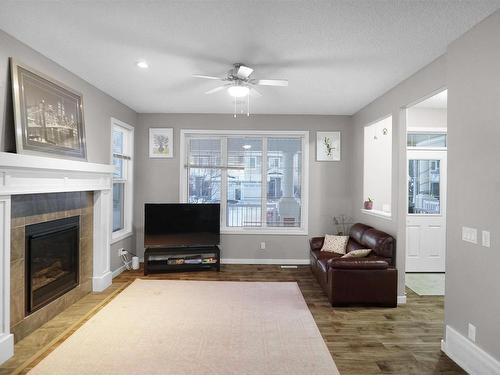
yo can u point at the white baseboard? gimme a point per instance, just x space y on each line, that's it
468 355
265 261
102 282
6 346
401 300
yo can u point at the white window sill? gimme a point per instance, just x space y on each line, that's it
281 232
120 235
377 213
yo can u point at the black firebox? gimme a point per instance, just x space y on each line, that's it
52 260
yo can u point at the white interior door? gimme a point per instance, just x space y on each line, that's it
426 211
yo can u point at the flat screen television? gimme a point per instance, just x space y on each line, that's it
181 224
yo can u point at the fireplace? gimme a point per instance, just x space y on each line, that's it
52 260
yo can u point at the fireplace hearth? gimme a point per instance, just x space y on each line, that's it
52 254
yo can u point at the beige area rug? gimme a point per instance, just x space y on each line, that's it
196 327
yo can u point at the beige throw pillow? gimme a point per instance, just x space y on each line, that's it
361 253
335 244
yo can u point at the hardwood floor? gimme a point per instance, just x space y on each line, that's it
362 341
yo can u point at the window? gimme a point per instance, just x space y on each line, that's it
424 179
122 151
426 140
377 174
257 178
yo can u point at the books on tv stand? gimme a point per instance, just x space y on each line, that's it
180 259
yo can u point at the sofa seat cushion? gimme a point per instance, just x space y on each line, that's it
358 264
374 257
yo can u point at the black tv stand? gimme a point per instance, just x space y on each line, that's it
159 259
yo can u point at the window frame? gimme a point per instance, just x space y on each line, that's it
127 180
303 135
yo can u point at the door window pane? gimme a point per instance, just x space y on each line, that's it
284 176
244 182
424 187
426 140
118 206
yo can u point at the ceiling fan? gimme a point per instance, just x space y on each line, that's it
239 83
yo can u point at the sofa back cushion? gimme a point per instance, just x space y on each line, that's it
365 237
382 244
357 231
353 245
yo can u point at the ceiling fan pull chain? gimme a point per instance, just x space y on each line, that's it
235 107
248 105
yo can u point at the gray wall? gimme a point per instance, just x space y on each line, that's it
98 108
427 118
421 84
157 180
472 278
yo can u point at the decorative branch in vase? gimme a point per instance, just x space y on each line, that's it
343 224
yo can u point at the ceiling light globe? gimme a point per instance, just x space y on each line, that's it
238 91
142 64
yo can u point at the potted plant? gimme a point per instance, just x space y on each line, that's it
368 204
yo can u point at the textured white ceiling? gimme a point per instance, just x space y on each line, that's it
337 55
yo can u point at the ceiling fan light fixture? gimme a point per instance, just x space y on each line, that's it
143 64
238 91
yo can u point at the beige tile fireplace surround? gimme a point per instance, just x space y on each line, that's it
36 189
32 209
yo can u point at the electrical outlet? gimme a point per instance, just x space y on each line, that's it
472 332
263 246
469 235
486 238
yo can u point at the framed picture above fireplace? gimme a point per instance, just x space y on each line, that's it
48 115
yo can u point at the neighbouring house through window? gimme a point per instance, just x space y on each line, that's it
256 177
122 153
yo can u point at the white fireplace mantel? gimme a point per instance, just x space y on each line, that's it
26 174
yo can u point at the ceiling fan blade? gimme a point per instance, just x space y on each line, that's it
219 88
243 72
272 82
255 93
206 77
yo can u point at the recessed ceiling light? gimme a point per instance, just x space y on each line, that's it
238 91
247 147
142 64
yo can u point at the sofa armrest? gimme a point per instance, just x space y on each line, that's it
316 243
353 264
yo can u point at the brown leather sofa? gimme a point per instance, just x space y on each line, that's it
371 280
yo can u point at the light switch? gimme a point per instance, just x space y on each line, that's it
469 234
486 238
263 246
